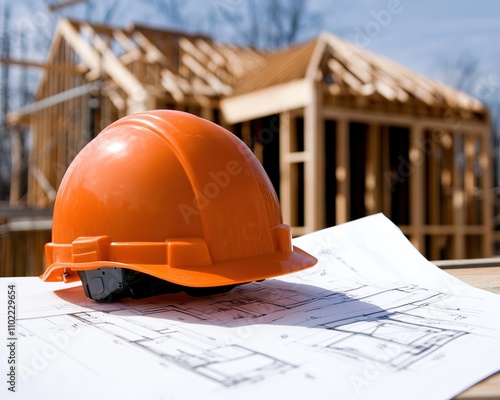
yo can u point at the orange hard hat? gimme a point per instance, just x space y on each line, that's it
164 201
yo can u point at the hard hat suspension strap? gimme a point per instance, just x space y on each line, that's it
108 284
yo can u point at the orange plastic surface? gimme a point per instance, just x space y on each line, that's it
172 195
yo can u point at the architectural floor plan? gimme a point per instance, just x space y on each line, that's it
341 327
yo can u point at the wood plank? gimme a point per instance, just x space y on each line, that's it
316 58
203 74
314 143
297 157
487 278
349 80
137 94
123 39
417 187
215 62
83 49
398 119
237 64
446 178
386 187
60 68
287 200
289 173
342 175
373 183
108 61
47 102
434 194
488 388
269 101
469 177
458 198
16 148
486 186
469 190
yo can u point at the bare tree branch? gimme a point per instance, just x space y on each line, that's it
270 24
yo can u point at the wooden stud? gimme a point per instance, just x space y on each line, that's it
470 179
458 199
342 208
486 186
287 200
373 181
16 166
417 187
314 174
246 134
386 185
433 192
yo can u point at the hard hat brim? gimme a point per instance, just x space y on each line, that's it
218 274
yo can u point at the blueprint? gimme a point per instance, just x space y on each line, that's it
373 319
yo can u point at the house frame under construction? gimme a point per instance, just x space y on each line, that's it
342 132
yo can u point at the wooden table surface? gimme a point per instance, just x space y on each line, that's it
487 278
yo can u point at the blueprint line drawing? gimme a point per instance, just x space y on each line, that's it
395 341
372 320
347 323
225 364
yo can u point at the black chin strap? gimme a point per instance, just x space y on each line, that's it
109 284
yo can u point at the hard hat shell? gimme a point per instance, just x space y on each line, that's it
173 196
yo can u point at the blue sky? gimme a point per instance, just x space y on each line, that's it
428 36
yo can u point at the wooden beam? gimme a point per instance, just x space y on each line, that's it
340 71
373 182
246 134
470 183
199 63
87 54
170 82
314 174
44 183
446 178
269 101
297 157
315 62
288 201
62 69
458 198
486 186
124 40
429 91
395 119
234 62
433 194
202 73
386 190
26 111
152 52
342 207
417 187
16 148
215 62
137 95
